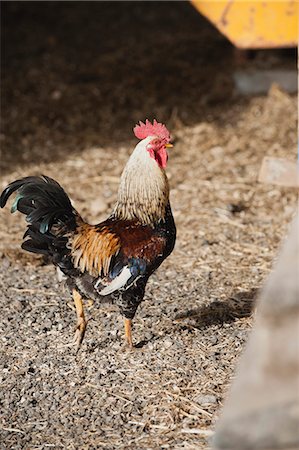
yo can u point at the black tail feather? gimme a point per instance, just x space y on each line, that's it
36 183
48 211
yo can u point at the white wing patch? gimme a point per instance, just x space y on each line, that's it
118 282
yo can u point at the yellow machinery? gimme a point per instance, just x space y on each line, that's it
254 24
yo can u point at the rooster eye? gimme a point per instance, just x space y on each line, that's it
155 143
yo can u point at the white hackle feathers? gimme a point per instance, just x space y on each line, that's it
143 192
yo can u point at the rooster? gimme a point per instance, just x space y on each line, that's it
113 260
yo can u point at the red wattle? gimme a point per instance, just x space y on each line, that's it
161 157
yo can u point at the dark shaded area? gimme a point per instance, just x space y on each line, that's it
217 312
80 74
76 74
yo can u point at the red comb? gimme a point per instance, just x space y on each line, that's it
143 130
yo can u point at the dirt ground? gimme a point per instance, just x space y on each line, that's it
75 78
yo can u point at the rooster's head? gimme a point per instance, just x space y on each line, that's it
155 139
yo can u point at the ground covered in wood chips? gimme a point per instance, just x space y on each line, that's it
76 77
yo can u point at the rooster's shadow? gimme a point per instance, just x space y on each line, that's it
217 312
237 306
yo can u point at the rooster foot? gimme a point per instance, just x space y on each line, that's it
79 333
81 322
128 334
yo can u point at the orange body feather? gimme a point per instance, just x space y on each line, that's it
93 248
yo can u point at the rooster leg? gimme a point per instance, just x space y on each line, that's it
81 322
128 332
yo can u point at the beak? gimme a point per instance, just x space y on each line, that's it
168 145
